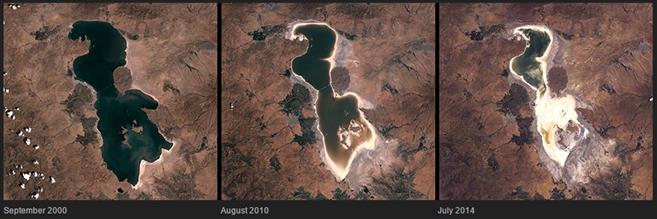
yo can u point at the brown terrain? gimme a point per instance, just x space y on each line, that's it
171 55
488 144
269 140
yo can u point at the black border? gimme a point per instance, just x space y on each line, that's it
2 102
369 209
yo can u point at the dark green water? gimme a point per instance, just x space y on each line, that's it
128 135
312 66
334 112
526 64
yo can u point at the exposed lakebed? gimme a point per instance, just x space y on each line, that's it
343 127
556 116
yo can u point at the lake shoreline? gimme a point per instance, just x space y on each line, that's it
552 114
128 136
339 173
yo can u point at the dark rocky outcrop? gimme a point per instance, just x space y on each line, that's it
513 100
264 31
347 35
308 135
484 31
275 163
526 136
45 32
295 100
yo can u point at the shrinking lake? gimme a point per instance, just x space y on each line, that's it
342 126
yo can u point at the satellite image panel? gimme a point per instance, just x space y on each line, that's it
328 101
110 101
545 101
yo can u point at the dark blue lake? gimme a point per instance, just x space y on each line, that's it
129 136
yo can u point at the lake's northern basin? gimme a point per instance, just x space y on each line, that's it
527 64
